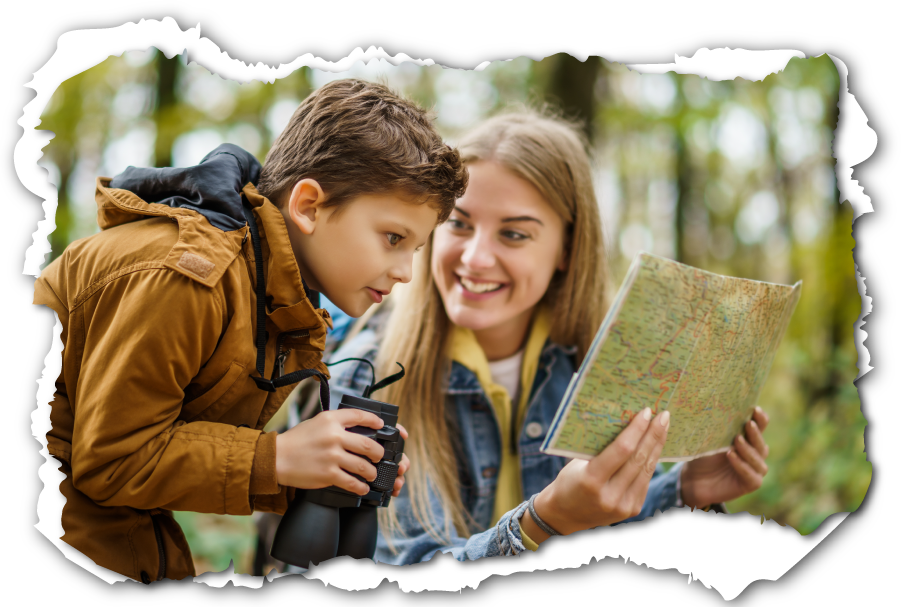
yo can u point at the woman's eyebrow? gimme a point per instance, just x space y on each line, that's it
521 218
461 211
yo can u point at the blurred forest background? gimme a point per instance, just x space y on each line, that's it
735 177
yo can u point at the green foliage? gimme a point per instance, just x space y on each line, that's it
736 177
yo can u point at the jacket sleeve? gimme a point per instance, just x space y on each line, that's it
149 334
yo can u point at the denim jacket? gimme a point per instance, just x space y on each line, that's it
479 455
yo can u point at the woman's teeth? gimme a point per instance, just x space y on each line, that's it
480 287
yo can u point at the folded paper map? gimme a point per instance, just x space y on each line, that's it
676 338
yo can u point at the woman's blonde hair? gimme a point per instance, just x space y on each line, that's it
551 154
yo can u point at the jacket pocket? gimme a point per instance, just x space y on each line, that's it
195 407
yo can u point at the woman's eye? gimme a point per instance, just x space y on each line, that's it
393 239
511 235
456 224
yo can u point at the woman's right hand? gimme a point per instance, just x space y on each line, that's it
607 489
320 452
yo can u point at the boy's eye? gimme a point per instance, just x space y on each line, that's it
393 239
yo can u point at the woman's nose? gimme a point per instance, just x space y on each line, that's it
478 253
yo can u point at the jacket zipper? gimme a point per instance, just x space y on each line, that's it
280 355
159 544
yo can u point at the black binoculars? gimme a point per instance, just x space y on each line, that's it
324 523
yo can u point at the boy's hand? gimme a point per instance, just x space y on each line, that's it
404 466
320 452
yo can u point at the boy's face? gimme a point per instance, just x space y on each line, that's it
356 252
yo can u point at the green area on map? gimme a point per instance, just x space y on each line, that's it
676 338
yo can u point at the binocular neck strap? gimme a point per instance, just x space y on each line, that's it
273 383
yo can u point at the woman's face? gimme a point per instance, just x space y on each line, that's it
494 258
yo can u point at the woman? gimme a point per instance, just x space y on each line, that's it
491 329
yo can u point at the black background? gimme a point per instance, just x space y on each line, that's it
851 563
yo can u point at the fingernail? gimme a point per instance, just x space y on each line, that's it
646 414
664 419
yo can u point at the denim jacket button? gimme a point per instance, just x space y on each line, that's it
489 472
534 430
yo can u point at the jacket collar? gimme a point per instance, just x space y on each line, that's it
289 304
469 356
289 307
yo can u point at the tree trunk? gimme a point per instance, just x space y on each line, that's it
571 86
167 75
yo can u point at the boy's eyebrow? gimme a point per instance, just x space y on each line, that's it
521 218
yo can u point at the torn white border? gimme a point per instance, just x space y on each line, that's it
688 545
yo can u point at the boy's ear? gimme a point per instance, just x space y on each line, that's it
304 206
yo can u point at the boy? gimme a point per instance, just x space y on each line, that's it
189 317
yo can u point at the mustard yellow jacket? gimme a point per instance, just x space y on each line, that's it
156 409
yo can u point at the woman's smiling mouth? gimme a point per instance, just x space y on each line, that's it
479 288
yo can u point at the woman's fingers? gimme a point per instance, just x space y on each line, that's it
750 455
755 437
616 454
639 468
750 478
762 419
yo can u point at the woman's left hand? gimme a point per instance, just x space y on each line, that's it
726 476
403 467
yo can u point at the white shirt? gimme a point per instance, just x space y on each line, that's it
506 372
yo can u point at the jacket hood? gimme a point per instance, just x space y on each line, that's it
211 188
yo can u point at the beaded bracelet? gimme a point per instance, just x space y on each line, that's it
541 524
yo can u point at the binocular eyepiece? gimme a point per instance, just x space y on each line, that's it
324 523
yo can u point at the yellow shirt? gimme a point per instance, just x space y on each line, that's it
465 349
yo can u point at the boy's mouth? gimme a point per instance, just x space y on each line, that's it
376 295
480 287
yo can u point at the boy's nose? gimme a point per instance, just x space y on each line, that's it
402 272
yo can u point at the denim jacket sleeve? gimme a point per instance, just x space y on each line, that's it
504 538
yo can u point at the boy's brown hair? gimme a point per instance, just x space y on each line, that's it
357 137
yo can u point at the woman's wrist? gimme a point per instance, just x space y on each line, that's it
545 505
530 528
687 488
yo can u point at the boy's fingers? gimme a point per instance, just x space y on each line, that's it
362 445
617 453
356 417
404 465
348 483
403 431
357 465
